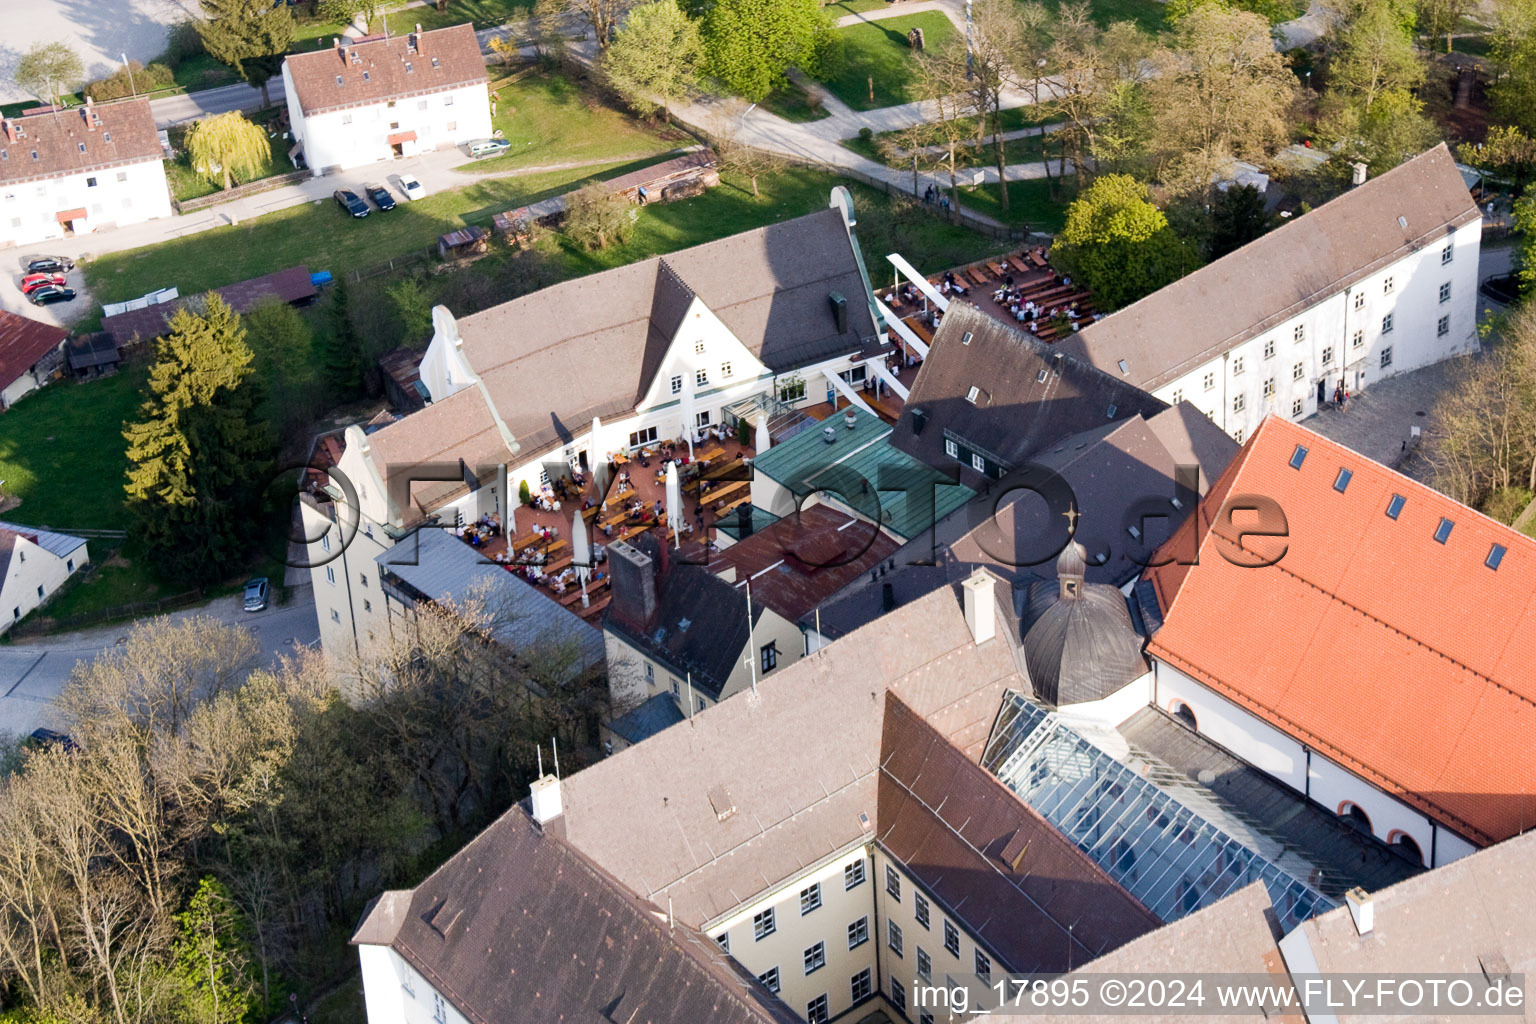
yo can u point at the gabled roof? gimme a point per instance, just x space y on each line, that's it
1026 394
378 69
519 926
460 427
769 286
1271 279
1357 640
60 545
803 559
23 341
77 140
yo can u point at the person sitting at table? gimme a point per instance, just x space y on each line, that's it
608 530
908 292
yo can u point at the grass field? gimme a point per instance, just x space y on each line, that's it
484 14
204 72
550 120
879 50
1030 204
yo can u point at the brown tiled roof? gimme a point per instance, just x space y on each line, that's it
803 559
1471 916
291 285
482 930
378 69
1016 413
80 139
989 860
23 341
1357 640
1269 280
459 427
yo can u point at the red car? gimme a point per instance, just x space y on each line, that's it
32 282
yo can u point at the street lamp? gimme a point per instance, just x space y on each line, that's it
129 68
970 49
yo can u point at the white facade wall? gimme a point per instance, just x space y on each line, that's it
350 605
1346 327
22 385
395 993
357 136
1286 759
113 197
794 934
1117 707
32 576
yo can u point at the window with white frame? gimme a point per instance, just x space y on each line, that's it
1386 324
763 925
1176 397
1210 381
978 463
924 964
723 940
1327 354
1357 340
1237 366
853 874
1269 387
810 898
1296 407
951 939
984 968
701 377
644 436
861 986
725 371
698 347
791 391
893 936
1443 326
770 978
677 383
1300 333
816 1010
898 995
1386 357
1359 300
439 1009
858 932
1445 292
1298 371
1237 435
893 883
815 957
920 908
330 575
769 656
951 449
701 419
1448 253
1387 285
1269 348
1239 403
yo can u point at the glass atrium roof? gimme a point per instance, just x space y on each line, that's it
1161 852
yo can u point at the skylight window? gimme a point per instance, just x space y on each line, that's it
1495 556
1124 366
338 79
367 77
966 338
1040 377
1342 480
106 137
435 62
1298 456
408 68
82 147
1443 531
1109 413
971 395
1395 506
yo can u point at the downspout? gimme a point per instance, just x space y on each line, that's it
1307 778
1434 842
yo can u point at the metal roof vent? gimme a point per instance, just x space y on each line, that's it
829 435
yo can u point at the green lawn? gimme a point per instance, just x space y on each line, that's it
1030 203
845 7
484 14
1148 14
204 72
62 452
550 120
115 581
878 50
1017 151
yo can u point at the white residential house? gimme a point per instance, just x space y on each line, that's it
375 99
33 564
752 325
1376 282
84 169
30 352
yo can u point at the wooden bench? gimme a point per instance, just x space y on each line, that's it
636 530
724 495
977 275
722 470
597 606
1037 259
722 511
521 544
1018 264
710 454
999 270
922 330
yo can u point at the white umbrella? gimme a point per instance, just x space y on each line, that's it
763 440
581 554
674 504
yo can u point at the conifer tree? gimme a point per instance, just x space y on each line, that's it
342 352
250 36
197 454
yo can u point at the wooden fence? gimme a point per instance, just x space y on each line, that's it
41 625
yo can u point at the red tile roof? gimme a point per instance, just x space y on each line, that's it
77 140
1406 660
803 559
23 341
374 70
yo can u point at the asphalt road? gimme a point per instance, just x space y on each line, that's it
191 106
32 673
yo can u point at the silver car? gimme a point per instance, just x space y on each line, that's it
256 592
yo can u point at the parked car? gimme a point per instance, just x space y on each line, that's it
412 188
256 592
488 147
51 293
48 264
380 196
32 282
349 201
50 738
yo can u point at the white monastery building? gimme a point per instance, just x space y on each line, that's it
1381 280
88 168
369 100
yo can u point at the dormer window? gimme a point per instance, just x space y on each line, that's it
972 395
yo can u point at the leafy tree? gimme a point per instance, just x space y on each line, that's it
1119 244
251 36
196 454
1237 218
226 147
1438 19
49 69
746 160
997 38
413 307
750 45
1272 11
283 345
211 956
1393 129
1507 151
655 55
1375 54
939 143
603 16
344 11
1513 49
597 218
342 354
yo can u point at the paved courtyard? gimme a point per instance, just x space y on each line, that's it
100 31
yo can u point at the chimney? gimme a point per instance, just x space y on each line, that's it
839 311
9 127
1361 907
634 584
980 601
545 795
850 418
1358 177
85 115
919 421
887 597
